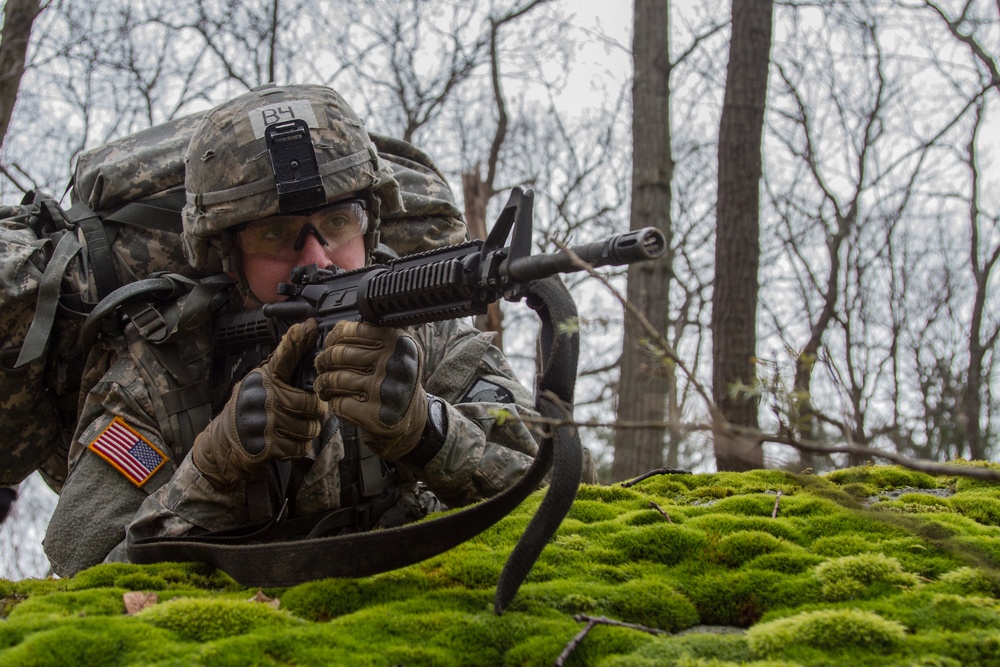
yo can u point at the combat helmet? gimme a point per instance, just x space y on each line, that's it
278 149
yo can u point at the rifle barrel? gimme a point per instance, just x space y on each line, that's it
636 246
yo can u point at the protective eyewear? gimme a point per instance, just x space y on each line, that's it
283 236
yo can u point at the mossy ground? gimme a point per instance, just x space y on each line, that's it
865 566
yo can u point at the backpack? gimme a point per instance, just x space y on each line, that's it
124 224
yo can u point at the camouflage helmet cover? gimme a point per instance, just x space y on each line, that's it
229 177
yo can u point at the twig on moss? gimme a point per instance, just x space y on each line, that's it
920 465
777 498
654 473
660 510
594 621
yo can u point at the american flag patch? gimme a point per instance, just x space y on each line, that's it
133 455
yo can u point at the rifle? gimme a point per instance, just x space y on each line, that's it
431 286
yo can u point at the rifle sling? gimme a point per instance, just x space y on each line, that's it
291 562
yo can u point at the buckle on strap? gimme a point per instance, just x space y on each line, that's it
148 322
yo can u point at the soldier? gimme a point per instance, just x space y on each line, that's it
400 422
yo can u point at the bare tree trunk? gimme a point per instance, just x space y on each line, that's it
982 268
477 193
18 17
737 250
646 383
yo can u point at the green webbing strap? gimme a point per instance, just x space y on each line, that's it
101 262
37 338
162 213
153 324
108 305
252 558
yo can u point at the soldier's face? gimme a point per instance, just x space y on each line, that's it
270 248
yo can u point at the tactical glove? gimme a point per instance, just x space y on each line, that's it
371 377
265 419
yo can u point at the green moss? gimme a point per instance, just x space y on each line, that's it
611 494
971 581
91 642
737 598
140 581
860 491
572 542
653 604
971 483
790 560
841 545
756 505
983 549
327 599
206 619
715 492
100 602
653 516
840 521
194 575
687 649
720 559
925 611
724 524
970 647
979 506
885 478
591 511
664 543
830 630
737 548
471 568
861 577
925 499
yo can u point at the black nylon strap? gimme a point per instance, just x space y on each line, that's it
108 305
289 563
36 341
161 213
554 305
102 265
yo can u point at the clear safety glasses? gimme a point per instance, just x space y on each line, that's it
283 236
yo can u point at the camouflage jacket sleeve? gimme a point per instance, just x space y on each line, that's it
489 445
188 504
102 492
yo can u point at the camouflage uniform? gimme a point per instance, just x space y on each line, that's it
481 456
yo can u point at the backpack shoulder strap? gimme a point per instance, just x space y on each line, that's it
37 339
102 263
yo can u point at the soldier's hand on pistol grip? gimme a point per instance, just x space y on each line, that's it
265 419
370 375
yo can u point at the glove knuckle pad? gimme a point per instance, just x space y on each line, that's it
402 371
252 414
